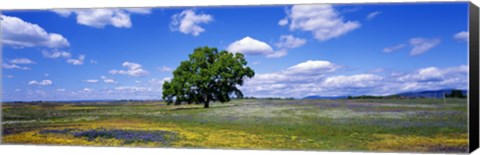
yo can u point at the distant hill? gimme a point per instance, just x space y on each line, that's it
315 97
429 93
419 94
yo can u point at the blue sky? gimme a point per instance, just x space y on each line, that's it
326 50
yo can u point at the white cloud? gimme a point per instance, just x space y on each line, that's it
250 46
394 48
19 33
99 18
188 22
91 80
63 12
429 74
133 69
292 78
107 80
283 22
139 10
93 61
86 90
312 67
14 66
422 45
159 81
41 83
372 15
322 20
323 78
289 41
56 54
166 69
61 90
277 54
353 81
431 78
22 61
304 71
63 54
133 89
461 36
78 61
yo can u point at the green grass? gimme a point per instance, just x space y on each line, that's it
409 125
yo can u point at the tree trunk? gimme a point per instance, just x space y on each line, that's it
206 105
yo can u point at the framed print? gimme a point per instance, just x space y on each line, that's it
361 77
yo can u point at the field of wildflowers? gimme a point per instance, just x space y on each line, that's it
409 125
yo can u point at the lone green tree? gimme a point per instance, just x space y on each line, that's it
208 76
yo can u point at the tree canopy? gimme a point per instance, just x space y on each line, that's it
208 75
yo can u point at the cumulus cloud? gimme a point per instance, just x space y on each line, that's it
429 74
277 54
31 35
431 78
133 89
56 54
159 82
372 15
22 61
133 69
107 80
394 48
312 67
86 90
139 10
461 36
304 71
41 83
294 77
188 22
323 21
65 55
91 80
165 69
422 45
292 81
14 66
353 81
78 61
283 22
99 18
250 46
323 78
289 41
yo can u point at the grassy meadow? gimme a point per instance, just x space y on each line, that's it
408 125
